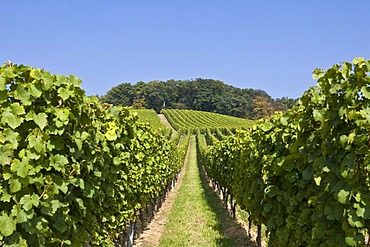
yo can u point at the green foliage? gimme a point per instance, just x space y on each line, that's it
72 170
190 120
150 117
199 94
305 173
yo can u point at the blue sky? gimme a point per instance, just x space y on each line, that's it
268 45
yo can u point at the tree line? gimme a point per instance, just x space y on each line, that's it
198 94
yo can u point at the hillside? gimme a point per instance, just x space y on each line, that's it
191 119
199 94
149 116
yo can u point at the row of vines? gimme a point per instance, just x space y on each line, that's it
73 171
304 174
149 116
192 119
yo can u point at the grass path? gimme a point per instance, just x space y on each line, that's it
165 121
197 217
151 236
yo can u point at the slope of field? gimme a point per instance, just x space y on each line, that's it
191 119
149 116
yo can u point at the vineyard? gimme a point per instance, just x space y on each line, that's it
305 173
75 171
191 119
150 117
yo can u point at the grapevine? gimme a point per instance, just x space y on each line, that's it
72 170
305 173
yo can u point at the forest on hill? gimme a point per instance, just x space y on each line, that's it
198 94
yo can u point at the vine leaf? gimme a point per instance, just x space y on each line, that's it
58 161
15 185
29 201
41 120
7 224
343 196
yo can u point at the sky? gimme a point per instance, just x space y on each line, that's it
268 44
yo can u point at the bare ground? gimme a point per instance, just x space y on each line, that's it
166 122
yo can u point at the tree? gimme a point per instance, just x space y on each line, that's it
199 94
122 94
283 104
139 101
262 107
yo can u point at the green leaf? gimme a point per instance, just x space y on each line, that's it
365 92
34 91
3 96
351 241
318 116
7 224
23 95
29 201
78 182
36 73
267 126
75 81
111 135
358 60
58 161
351 137
2 83
343 196
55 205
354 220
319 230
284 121
65 93
15 185
346 70
360 212
60 225
5 197
78 143
62 114
6 154
365 113
41 120
17 109
317 180
12 120
8 73
36 142
317 73
22 217
334 212
47 81
81 205
12 137
307 173
20 168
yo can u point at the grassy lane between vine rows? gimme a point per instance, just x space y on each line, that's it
197 217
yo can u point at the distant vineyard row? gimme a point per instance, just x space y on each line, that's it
191 120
